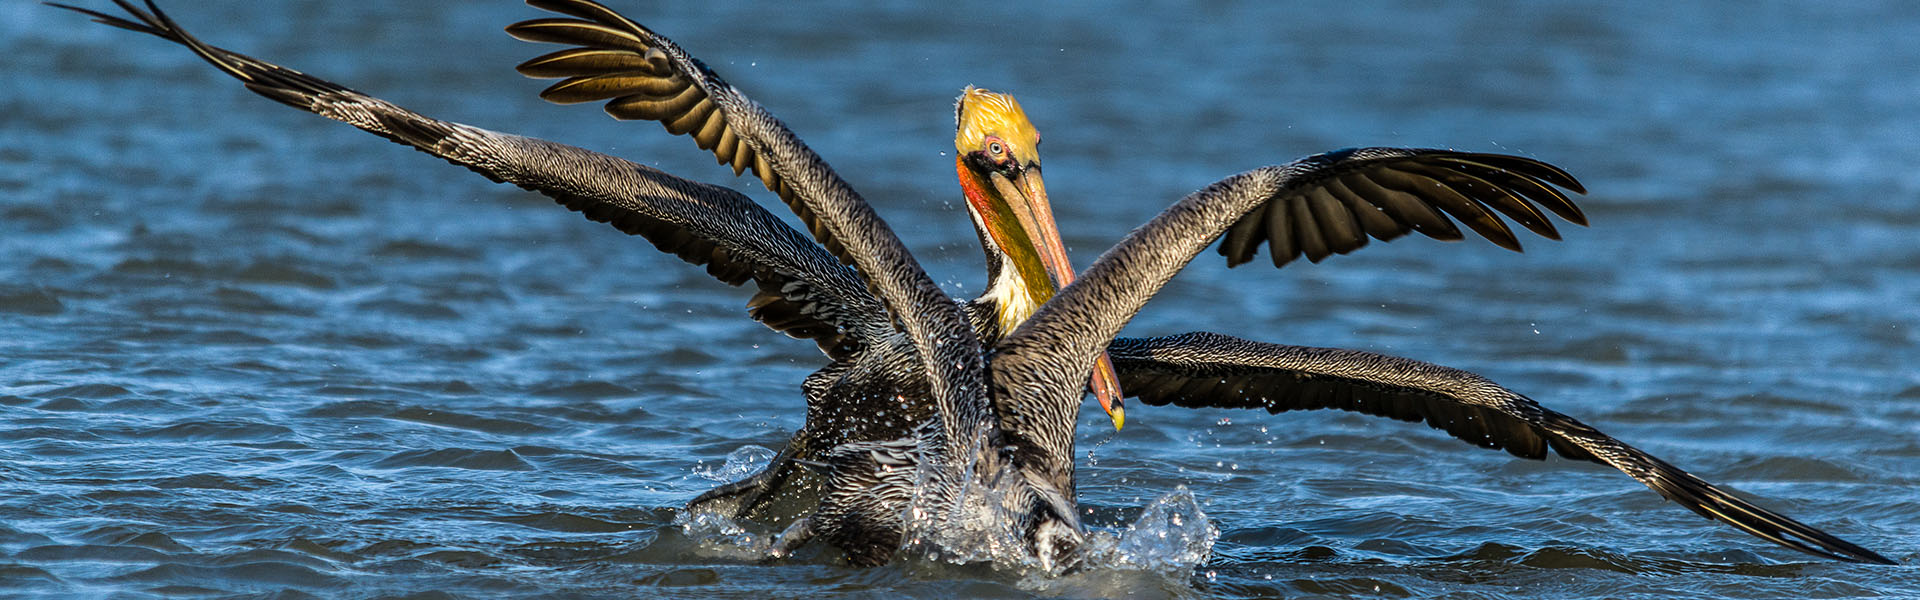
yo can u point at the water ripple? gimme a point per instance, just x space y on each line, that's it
249 352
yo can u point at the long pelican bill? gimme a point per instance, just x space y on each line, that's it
999 170
1026 197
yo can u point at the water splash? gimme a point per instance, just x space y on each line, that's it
1171 537
975 528
746 460
981 534
718 536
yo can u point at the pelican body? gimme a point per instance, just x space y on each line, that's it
932 409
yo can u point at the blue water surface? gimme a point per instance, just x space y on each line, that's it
245 351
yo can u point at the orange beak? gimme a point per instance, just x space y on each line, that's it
1033 243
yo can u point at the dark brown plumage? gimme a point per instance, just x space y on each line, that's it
1216 371
925 397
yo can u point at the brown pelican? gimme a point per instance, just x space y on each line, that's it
928 401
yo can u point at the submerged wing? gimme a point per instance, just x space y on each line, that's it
802 291
1206 370
643 76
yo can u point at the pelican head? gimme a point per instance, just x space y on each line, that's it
998 163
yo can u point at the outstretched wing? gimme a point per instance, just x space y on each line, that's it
1315 206
1207 370
1344 202
643 76
802 290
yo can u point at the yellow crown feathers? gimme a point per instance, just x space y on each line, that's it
980 113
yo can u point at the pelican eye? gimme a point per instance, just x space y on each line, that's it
993 155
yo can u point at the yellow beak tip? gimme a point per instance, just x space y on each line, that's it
1119 416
